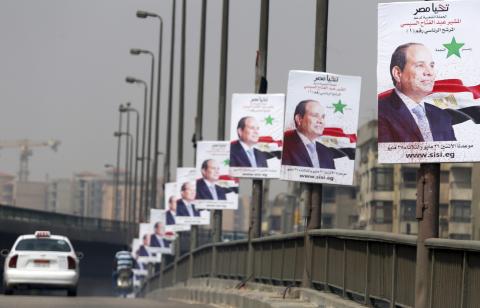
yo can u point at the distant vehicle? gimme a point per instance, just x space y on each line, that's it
42 261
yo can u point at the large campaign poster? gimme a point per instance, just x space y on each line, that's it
186 211
428 82
320 132
171 199
143 253
140 269
215 188
161 239
256 133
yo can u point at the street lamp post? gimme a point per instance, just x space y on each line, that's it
114 177
143 14
115 210
135 184
136 52
127 171
145 183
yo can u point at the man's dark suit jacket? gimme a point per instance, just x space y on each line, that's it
396 123
239 158
203 193
170 218
182 209
155 243
142 251
295 153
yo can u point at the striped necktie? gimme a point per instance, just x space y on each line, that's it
423 123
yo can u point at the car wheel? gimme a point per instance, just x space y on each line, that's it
7 291
72 292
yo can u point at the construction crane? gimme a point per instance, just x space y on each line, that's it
25 147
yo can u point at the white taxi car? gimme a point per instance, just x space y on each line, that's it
41 260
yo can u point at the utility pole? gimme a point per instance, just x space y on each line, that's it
115 207
312 193
255 225
222 102
181 87
166 166
199 117
427 213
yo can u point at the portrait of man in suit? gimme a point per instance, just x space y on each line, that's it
301 146
185 206
207 188
157 238
142 250
171 212
242 151
404 115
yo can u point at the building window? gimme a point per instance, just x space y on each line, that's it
352 220
459 236
353 192
409 176
443 225
443 210
407 210
382 179
461 211
329 193
327 221
382 212
462 178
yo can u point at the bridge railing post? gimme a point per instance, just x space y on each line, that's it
213 269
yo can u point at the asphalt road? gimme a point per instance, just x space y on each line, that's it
89 302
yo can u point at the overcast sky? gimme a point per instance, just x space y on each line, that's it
63 64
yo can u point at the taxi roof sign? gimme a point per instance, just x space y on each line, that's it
39 234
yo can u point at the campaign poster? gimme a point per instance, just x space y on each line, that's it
142 252
186 211
140 269
215 188
256 133
145 234
171 212
320 132
161 239
428 82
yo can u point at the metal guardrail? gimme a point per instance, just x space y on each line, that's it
373 268
13 213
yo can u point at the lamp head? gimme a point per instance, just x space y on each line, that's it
130 79
135 51
144 14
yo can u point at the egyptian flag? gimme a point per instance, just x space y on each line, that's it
341 143
462 102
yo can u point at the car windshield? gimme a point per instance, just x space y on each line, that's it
43 245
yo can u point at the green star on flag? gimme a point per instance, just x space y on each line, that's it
339 106
453 48
269 120
226 162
